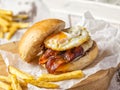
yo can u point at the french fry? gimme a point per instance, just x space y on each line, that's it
9 24
6 12
15 84
41 84
5 86
5 79
3 28
19 73
21 24
22 83
5 22
6 17
1 34
8 80
21 16
14 27
60 77
12 31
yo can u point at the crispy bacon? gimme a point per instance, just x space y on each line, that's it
73 53
69 55
53 59
78 51
53 63
46 55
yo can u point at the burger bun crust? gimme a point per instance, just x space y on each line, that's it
31 41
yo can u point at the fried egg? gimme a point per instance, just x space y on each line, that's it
67 39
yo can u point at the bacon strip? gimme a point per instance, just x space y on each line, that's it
53 59
46 55
53 63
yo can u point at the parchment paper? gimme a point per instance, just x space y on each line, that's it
105 34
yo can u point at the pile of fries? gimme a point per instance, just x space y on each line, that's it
9 23
17 79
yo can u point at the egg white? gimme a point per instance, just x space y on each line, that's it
67 39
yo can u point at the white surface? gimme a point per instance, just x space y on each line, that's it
115 2
105 34
104 11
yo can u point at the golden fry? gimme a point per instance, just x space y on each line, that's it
19 73
1 34
12 31
4 22
6 17
60 77
8 80
8 23
42 84
5 79
6 12
15 84
3 28
21 24
22 82
14 27
21 16
5 86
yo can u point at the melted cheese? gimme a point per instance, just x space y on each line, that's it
87 45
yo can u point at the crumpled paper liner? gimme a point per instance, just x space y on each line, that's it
105 34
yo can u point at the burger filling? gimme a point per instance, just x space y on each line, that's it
65 47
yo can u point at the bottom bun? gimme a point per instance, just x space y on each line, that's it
84 61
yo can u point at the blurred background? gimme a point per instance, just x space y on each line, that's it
23 13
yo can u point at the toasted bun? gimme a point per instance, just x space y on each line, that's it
84 61
29 45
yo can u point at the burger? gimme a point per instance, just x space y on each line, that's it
59 49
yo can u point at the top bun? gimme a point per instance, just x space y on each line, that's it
32 40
